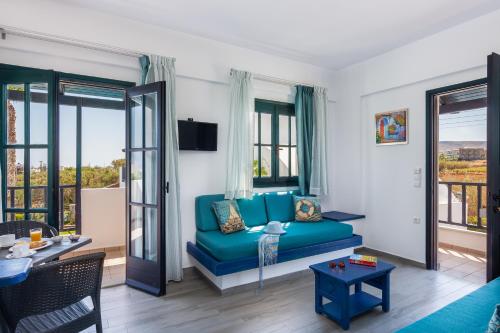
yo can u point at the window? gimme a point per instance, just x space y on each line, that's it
275 144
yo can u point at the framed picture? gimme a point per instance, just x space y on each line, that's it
391 127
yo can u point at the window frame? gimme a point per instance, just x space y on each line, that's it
275 109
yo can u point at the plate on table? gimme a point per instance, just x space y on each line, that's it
29 254
46 243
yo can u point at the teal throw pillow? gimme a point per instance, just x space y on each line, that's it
494 325
307 209
228 216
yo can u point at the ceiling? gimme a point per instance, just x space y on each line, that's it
327 33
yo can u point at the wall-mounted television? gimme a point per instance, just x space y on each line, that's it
195 135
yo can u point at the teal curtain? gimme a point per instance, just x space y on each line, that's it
157 68
239 168
305 124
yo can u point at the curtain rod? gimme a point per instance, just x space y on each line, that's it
273 79
5 30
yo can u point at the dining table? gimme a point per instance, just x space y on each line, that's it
14 271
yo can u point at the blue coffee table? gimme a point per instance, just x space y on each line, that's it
334 285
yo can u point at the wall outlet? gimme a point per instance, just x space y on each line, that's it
416 220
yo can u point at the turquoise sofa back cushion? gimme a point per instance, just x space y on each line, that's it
204 214
280 206
253 211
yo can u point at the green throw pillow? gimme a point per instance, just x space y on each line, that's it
228 216
307 209
494 325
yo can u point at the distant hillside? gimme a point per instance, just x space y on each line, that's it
451 145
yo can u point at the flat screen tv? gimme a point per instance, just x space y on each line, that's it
194 135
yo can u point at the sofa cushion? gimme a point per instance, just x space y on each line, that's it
279 206
307 209
470 313
228 216
244 243
253 211
204 214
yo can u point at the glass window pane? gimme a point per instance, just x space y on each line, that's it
294 162
283 130
38 196
265 167
67 144
256 127
39 113
293 132
40 217
101 166
265 128
15 216
38 177
136 176
67 195
151 177
15 113
283 161
15 178
136 232
256 161
151 121
150 233
136 122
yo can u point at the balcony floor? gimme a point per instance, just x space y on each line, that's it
114 264
461 264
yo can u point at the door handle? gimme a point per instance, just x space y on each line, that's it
496 209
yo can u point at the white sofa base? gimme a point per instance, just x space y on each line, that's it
225 282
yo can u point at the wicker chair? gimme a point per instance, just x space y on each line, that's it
22 228
51 298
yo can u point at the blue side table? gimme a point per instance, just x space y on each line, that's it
334 285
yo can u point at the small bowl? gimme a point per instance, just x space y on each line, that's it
74 238
57 239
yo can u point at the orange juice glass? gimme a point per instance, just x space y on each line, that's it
36 234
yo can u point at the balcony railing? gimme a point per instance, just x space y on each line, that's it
67 220
469 194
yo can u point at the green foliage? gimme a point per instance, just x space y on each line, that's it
378 139
264 171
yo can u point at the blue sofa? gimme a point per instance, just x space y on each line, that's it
469 314
228 253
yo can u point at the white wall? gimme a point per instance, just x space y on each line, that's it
379 180
202 75
103 213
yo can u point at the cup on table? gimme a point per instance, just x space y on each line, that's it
20 250
36 234
7 240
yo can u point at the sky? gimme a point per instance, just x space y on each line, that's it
103 134
467 125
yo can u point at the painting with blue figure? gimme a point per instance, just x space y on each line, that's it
392 127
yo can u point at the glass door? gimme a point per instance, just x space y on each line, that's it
145 194
27 127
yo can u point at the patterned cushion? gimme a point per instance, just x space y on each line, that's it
307 209
228 216
494 325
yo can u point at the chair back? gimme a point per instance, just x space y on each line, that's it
53 286
22 228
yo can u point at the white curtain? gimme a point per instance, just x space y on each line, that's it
319 167
239 177
163 69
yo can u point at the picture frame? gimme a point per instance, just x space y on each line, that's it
391 127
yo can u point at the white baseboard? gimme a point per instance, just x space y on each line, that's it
228 281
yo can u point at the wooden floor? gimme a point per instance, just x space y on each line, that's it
193 306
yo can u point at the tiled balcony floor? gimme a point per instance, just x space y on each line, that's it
463 265
114 264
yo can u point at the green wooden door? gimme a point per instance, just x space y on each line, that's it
27 130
